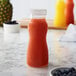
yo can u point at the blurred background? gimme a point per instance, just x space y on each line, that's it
22 8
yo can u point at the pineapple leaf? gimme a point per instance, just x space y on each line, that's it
4 1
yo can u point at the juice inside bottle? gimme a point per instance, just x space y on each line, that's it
59 20
69 12
37 53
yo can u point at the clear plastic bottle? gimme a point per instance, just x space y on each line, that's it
69 12
37 53
59 20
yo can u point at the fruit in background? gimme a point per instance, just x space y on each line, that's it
64 71
69 12
5 11
11 22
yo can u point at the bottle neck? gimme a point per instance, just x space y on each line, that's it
38 16
69 0
60 0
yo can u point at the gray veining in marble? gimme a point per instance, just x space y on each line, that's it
13 48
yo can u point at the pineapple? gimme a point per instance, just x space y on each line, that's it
5 11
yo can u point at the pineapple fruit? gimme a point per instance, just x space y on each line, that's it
5 11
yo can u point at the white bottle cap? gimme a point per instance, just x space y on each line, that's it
39 13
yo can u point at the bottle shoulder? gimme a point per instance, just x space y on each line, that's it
69 3
60 5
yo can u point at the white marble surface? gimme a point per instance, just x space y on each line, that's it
13 48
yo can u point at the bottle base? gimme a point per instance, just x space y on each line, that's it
60 26
46 65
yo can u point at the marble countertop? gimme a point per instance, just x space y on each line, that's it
13 48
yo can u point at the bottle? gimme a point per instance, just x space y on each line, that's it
59 20
69 12
37 53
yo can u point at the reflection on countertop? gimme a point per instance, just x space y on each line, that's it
13 48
